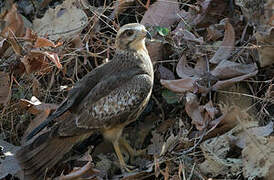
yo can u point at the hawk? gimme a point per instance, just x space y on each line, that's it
105 100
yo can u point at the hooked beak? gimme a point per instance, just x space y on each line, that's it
148 35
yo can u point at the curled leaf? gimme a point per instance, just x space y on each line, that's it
227 45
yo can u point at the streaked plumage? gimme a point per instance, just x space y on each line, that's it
105 100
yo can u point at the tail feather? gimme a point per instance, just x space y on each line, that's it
43 153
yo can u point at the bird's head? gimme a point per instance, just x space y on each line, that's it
132 37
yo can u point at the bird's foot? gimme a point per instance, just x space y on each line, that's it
127 168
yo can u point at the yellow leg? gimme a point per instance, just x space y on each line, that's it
120 157
132 152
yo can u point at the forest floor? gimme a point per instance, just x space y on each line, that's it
211 112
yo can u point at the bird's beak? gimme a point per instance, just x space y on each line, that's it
148 35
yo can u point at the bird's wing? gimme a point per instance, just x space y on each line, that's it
117 103
76 95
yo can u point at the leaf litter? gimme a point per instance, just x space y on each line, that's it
211 112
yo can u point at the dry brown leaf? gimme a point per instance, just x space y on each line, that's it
43 42
34 106
258 157
226 122
227 45
180 85
194 111
216 152
228 69
64 21
53 57
225 83
5 88
188 36
35 61
14 23
161 13
183 70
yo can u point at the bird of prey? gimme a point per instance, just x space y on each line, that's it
105 100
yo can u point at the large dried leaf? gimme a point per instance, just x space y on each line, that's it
194 111
5 88
64 21
228 69
258 157
161 13
227 45
183 70
226 83
34 62
13 23
43 42
179 85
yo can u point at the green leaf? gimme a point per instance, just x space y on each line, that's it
162 30
170 96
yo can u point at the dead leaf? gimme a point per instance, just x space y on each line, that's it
53 57
161 13
35 61
226 122
64 21
5 88
179 85
227 45
43 42
225 83
13 23
228 69
194 111
240 136
217 162
188 36
258 157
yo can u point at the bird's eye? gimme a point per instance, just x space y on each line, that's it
129 33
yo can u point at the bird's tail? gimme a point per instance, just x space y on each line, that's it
43 153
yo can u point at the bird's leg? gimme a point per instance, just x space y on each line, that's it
124 166
132 152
